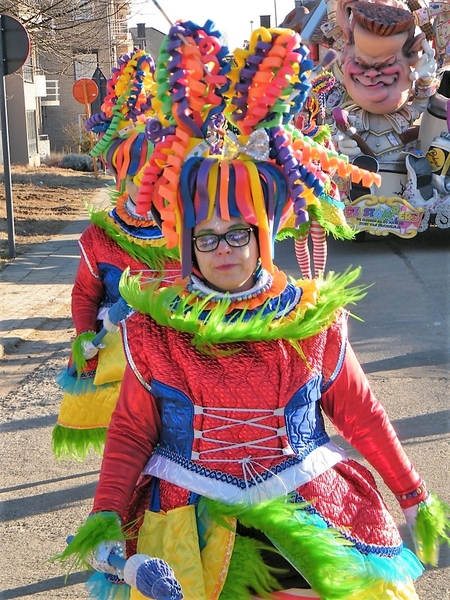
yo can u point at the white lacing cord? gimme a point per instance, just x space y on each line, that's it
153 275
233 422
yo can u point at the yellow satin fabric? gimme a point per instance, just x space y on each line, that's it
111 360
173 537
90 410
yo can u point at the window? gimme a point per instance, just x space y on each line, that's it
27 70
82 10
85 65
32 133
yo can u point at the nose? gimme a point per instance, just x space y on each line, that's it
371 73
223 247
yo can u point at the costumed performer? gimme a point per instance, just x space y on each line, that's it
117 238
217 459
326 213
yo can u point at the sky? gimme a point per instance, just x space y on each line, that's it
232 17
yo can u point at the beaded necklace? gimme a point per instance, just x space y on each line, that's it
262 285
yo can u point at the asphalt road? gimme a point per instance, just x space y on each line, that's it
403 345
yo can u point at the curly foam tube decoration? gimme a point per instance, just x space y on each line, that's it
307 150
190 77
267 76
128 99
295 173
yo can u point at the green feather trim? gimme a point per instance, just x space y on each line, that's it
168 309
323 557
293 232
155 257
99 527
339 232
77 350
247 571
75 444
432 529
323 134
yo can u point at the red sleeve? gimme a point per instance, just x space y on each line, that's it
362 421
87 295
131 437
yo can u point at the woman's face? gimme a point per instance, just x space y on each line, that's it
227 268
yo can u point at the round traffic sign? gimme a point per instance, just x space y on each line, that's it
15 44
85 90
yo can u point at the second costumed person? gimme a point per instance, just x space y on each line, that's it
117 238
217 460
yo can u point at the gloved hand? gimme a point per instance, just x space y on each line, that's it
89 350
346 145
98 559
425 67
109 325
410 515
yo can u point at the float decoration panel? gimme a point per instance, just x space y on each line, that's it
379 215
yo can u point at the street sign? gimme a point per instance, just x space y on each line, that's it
15 43
85 90
14 51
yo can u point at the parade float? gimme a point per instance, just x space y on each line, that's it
389 106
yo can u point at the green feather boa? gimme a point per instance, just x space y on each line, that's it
320 554
75 444
247 570
184 314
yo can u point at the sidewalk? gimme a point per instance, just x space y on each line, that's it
35 295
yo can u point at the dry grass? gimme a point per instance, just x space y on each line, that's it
45 200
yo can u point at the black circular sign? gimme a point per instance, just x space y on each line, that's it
15 44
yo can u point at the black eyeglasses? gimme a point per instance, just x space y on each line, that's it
236 238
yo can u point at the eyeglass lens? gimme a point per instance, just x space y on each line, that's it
210 241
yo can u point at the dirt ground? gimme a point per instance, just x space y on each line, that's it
44 201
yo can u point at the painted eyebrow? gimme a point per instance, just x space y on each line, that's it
211 231
387 63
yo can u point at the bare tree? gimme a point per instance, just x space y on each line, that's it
62 28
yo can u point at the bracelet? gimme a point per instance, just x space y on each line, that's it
422 488
425 91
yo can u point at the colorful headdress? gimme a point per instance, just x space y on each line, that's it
259 176
123 146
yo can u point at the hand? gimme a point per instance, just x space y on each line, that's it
346 145
109 325
89 350
98 558
410 515
425 67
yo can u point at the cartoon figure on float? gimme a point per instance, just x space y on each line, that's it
217 460
117 238
389 72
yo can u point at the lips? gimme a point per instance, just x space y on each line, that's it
226 267
375 90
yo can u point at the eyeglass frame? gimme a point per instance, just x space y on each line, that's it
223 236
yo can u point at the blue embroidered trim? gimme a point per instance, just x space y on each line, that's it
151 232
382 551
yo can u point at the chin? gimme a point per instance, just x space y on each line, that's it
390 104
